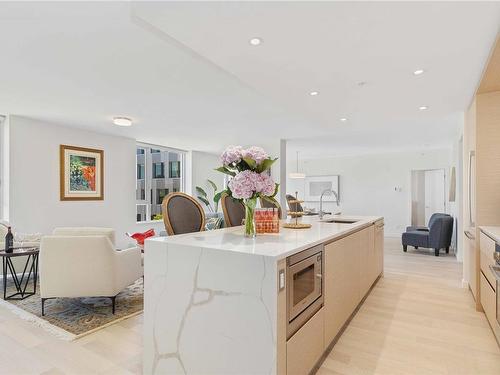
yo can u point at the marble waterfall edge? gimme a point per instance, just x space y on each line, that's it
208 311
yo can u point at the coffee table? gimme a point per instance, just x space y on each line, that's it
30 266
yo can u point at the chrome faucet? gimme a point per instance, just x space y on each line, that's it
321 213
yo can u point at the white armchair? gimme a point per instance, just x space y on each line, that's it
82 262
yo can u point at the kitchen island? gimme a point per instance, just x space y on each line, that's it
219 303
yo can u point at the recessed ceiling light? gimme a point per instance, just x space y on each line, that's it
423 108
122 121
313 93
255 41
343 119
418 72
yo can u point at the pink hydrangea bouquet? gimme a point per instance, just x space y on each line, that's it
250 179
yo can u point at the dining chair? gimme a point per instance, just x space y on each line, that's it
234 211
182 214
266 204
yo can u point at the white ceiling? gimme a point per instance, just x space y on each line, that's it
188 76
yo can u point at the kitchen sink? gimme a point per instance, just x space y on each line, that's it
340 221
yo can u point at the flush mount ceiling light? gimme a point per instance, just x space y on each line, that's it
418 72
423 108
255 41
122 121
343 119
297 174
313 93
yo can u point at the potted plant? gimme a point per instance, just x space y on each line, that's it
204 197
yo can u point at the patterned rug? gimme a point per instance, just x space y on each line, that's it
71 318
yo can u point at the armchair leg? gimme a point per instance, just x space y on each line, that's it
113 304
436 252
416 247
447 249
43 306
405 247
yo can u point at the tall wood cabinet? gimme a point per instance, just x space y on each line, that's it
481 155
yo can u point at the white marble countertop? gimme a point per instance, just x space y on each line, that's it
492 232
279 245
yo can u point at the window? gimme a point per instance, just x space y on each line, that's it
158 170
153 183
174 168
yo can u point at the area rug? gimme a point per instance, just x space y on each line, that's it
71 318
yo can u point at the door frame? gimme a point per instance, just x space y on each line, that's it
410 190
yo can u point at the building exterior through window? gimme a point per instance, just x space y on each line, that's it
160 171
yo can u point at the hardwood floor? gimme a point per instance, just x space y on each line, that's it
417 320
28 349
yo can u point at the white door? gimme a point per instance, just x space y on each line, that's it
434 192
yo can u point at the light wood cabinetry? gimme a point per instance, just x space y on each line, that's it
342 282
351 265
306 346
481 203
487 248
488 301
472 272
379 248
367 260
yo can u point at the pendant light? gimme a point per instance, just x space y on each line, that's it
297 174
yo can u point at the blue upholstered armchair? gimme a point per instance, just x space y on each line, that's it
437 236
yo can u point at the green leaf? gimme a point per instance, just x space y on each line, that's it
271 200
265 165
252 164
201 193
211 183
204 200
276 188
226 171
217 198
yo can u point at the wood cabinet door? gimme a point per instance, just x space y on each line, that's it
342 282
367 260
487 248
306 346
379 248
470 254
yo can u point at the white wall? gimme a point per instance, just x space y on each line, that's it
203 168
4 168
34 180
376 184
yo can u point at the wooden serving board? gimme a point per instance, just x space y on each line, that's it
296 225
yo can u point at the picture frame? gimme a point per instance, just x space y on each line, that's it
315 185
81 173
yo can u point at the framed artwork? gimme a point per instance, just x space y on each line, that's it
81 173
315 185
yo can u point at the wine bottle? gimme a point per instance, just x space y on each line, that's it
9 241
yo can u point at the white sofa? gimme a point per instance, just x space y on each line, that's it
83 262
3 232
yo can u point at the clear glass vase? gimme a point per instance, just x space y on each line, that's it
250 217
